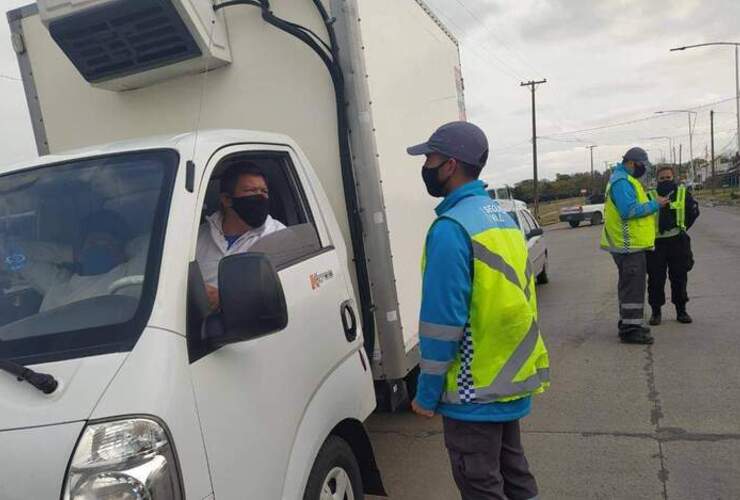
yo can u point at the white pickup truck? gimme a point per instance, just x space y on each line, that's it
138 108
591 210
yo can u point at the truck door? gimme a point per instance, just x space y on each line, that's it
252 395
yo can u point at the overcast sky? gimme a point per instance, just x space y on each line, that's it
605 61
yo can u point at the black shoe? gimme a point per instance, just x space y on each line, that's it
656 318
637 337
683 317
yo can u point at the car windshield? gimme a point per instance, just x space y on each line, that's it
79 254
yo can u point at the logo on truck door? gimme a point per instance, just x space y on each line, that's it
318 279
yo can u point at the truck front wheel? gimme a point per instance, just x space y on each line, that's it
574 223
335 474
596 219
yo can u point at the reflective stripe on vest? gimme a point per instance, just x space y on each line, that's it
630 235
678 206
502 356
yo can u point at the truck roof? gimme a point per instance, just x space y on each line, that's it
208 140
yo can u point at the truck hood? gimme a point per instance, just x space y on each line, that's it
81 384
34 460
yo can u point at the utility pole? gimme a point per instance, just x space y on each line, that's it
533 86
591 187
711 122
680 163
692 172
737 97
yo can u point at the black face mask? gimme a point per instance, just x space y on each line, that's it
639 170
435 187
666 187
252 209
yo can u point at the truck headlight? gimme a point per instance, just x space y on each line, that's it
129 459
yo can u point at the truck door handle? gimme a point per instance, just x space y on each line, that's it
349 320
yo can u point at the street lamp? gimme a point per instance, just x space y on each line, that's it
691 136
737 76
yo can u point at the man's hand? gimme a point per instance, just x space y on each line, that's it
213 298
421 411
663 200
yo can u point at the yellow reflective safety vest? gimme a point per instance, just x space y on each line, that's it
630 235
679 206
502 356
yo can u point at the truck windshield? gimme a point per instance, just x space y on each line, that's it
80 246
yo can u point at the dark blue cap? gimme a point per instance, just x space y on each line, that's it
638 155
460 140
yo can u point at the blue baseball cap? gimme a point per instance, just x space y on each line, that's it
638 155
460 140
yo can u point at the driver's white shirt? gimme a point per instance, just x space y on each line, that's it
212 245
61 287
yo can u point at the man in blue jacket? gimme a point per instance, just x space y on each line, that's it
481 349
629 232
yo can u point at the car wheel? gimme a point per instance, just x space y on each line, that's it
596 219
335 474
574 223
543 278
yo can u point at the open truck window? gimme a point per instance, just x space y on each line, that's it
288 206
80 245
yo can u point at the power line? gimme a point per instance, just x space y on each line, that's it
637 120
490 33
483 46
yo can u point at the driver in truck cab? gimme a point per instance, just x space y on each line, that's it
243 219
104 256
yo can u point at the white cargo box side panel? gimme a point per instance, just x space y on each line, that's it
403 42
275 84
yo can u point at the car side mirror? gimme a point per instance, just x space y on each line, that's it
252 304
538 231
252 300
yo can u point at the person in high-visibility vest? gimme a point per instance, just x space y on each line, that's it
672 247
482 355
629 232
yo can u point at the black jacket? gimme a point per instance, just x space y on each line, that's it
667 217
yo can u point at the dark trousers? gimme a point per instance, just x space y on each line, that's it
632 271
488 460
673 255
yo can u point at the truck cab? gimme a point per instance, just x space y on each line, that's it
157 396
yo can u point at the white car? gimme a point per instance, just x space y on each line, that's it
592 210
533 234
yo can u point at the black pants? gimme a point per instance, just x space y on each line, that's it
488 460
632 271
673 255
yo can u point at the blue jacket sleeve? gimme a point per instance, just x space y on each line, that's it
445 307
624 197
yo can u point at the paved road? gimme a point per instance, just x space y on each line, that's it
620 422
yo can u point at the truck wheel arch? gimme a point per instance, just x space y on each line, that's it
354 433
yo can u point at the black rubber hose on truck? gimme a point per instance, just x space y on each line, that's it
331 60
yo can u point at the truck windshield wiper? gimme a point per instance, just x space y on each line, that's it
42 381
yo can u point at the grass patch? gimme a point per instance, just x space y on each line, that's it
721 196
550 211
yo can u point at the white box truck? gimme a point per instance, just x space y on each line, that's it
138 108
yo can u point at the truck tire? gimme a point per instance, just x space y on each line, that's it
574 223
335 474
596 219
543 278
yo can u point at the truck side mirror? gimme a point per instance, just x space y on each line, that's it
252 300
